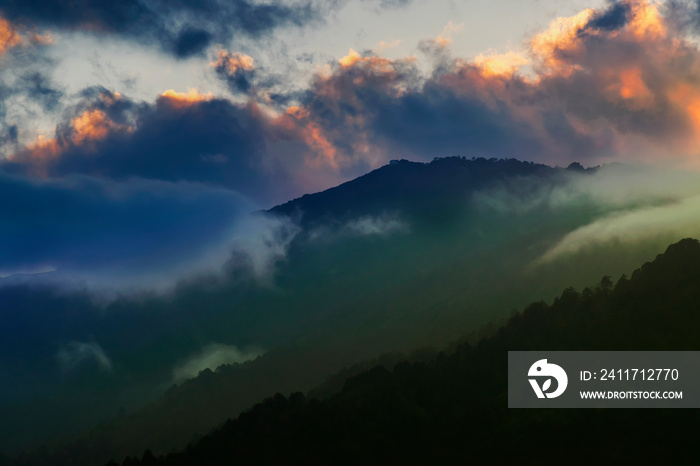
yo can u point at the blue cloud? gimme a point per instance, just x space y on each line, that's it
111 233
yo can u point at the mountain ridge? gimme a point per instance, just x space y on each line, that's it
423 186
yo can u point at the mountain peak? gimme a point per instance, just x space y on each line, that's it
441 185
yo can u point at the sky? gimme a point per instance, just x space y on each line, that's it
136 137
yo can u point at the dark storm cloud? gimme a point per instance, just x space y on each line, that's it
88 229
181 27
207 141
212 142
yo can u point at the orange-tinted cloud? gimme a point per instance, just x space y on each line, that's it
110 98
562 37
687 98
339 95
439 46
646 21
631 84
91 125
9 37
37 154
388 45
505 64
372 64
619 81
184 99
42 39
231 62
616 81
560 48
632 77
445 38
88 127
238 70
44 148
296 120
631 88
350 59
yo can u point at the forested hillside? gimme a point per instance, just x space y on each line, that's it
453 409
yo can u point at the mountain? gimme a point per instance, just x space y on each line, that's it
434 191
453 408
409 256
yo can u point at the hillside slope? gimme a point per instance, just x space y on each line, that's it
453 409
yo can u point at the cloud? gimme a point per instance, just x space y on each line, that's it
619 204
76 354
27 88
210 357
262 240
27 271
619 82
38 87
111 235
379 5
91 125
184 99
616 82
382 226
495 64
633 85
615 17
237 69
184 136
666 223
394 3
189 137
12 36
183 29
372 108
610 188
9 37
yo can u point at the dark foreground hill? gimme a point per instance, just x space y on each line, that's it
453 409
